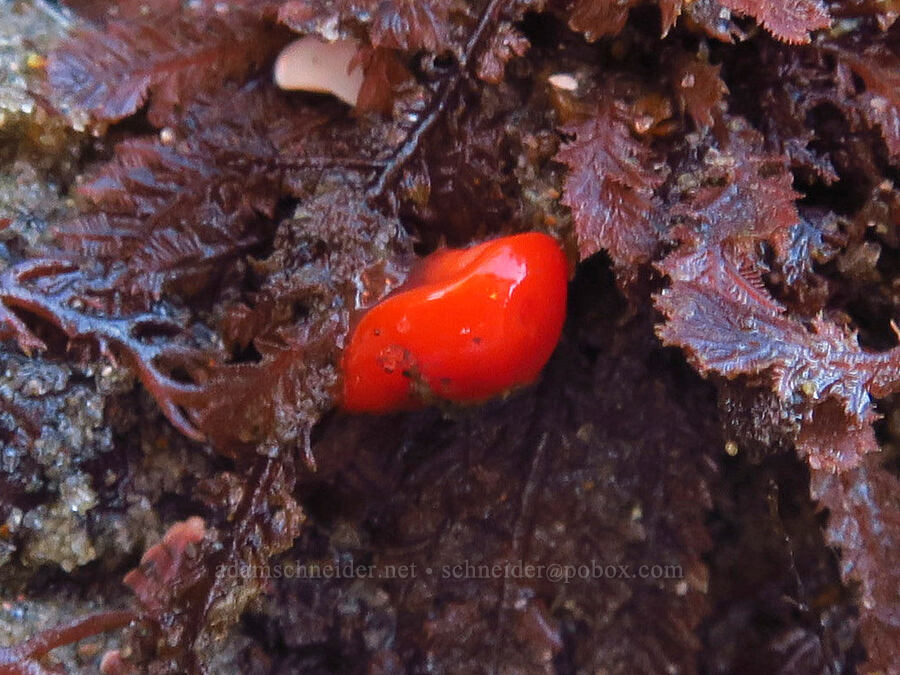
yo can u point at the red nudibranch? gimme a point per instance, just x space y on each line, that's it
467 325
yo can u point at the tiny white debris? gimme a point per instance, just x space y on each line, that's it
312 64
637 512
879 103
329 29
563 81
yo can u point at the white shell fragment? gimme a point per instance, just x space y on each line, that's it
312 64
563 81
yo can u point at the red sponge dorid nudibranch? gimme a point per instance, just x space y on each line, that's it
467 325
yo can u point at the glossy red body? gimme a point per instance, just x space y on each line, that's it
467 325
